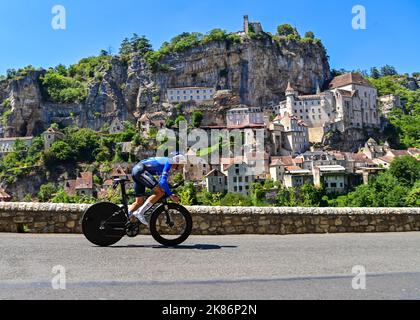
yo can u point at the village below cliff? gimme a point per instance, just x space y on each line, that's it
329 137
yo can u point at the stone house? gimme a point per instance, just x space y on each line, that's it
216 182
82 186
373 150
197 168
50 136
239 177
334 178
295 177
295 135
239 118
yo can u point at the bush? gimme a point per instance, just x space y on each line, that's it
310 35
233 200
286 30
46 192
63 89
197 118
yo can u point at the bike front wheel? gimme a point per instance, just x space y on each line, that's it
171 224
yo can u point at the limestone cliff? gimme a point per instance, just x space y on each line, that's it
254 72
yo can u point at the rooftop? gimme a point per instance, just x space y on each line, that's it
349 78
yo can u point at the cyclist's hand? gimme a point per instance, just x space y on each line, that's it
175 199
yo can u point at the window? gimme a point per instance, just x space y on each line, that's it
240 179
185 92
313 117
235 179
198 97
319 110
236 189
334 185
246 179
240 188
319 117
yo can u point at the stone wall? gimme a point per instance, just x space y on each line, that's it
65 218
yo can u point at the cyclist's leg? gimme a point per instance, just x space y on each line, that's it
139 188
147 180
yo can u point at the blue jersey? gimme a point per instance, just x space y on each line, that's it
159 167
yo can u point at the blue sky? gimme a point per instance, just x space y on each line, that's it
26 35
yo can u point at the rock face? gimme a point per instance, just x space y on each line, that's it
253 73
257 71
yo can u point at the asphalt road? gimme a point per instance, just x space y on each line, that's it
213 267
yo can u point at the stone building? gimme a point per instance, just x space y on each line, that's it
333 177
295 135
244 117
350 102
7 144
199 95
50 136
82 186
216 182
239 177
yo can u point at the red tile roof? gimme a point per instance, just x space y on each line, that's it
349 78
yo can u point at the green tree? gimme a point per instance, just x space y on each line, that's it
374 73
388 70
179 119
286 30
310 35
125 49
311 196
406 170
46 192
140 45
188 195
59 88
197 118
235 199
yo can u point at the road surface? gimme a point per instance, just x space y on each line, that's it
211 267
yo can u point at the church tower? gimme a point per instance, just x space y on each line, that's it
246 24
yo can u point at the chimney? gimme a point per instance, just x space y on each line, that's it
246 24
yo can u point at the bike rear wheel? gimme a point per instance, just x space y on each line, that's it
177 230
103 224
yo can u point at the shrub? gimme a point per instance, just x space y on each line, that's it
63 89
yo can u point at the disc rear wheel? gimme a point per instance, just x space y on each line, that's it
103 224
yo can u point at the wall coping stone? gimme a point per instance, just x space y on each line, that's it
58 208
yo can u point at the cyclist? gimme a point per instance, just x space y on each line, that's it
143 176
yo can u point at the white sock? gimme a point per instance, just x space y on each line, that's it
140 212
